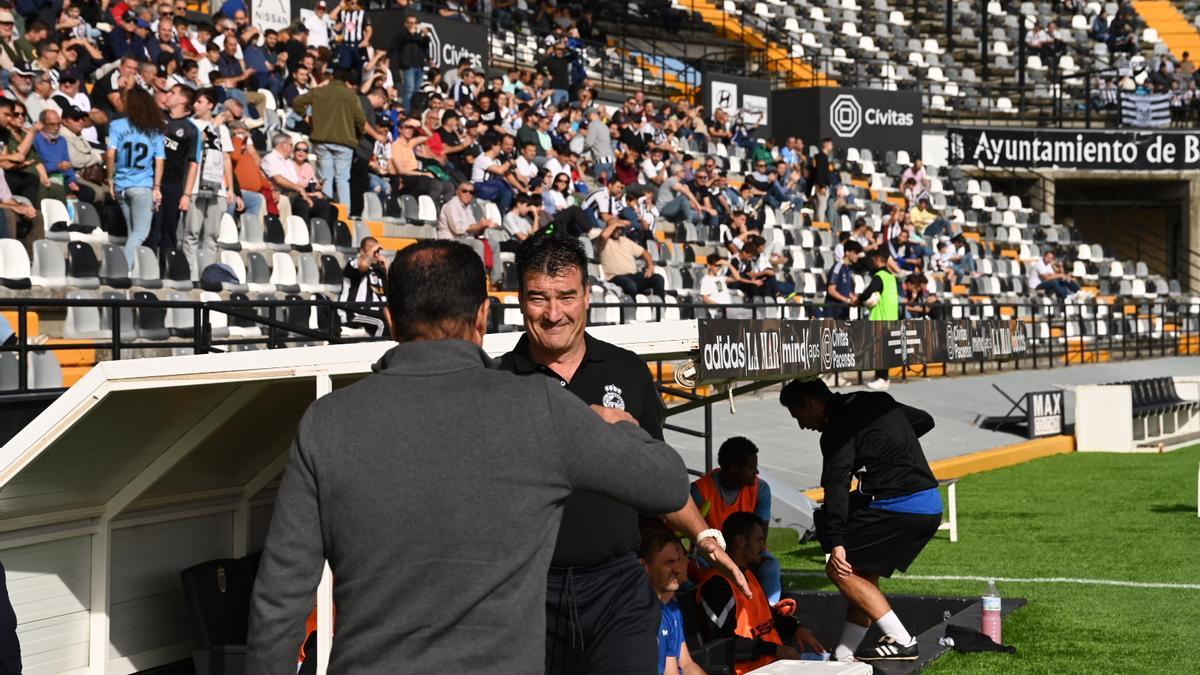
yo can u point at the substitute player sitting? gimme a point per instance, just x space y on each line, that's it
761 635
882 526
666 566
733 487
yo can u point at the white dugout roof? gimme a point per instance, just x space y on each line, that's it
148 466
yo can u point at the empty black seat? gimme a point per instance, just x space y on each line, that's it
331 272
273 233
343 238
176 273
151 320
217 593
83 269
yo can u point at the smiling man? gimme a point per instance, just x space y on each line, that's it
601 615
880 527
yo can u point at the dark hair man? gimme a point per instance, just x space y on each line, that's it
665 562
364 280
881 527
455 584
839 292
735 486
882 297
760 635
599 616
179 170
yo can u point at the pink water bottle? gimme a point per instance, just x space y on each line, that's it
990 621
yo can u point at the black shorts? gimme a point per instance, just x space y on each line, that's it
602 619
881 542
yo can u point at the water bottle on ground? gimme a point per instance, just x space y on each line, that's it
990 622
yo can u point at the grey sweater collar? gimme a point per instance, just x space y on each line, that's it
432 357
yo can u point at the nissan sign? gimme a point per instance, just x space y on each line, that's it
449 41
861 118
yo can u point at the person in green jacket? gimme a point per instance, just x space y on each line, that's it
882 297
337 120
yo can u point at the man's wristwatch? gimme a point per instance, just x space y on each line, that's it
713 534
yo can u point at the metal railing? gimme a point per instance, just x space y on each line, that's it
1060 334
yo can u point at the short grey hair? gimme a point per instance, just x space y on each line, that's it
278 139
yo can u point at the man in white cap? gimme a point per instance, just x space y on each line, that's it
318 24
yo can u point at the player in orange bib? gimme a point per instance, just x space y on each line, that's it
760 634
735 487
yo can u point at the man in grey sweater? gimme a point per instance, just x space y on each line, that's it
434 489
598 142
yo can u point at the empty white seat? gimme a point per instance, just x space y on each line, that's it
296 233
227 234
850 29
931 46
49 266
15 267
897 19
283 272
867 44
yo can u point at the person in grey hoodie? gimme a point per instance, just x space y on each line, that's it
434 489
599 143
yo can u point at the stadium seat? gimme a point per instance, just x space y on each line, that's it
146 272
234 261
45 370
114 269
217 594
343 238
15 269
49 267
308 275
55 219
176 273
241 327
273 234
83 322
320 236
218 321
296 234
83 270
258 273
227 235
251 238
10 372
150 320
372 207
331 274
427 213
180 320
283 273
127 325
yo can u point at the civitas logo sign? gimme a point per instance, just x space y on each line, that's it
449 54
845 115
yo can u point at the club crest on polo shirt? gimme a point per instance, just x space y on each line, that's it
612 397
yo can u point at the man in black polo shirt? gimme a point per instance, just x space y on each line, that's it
179 169
601 614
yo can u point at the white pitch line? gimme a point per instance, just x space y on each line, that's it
1015 580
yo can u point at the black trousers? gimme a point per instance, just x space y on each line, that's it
321 208
164 229
632 284
601 619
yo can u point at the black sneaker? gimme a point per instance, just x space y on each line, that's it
888 649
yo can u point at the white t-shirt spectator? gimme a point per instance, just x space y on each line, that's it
713 287
553 201
1036 270
318 29
942 261
479 170
650 170
526 169
215 142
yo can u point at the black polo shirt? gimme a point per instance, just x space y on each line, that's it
595 529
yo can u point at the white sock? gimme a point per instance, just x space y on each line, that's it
890 624
852 636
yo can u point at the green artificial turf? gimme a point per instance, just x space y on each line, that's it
1081 515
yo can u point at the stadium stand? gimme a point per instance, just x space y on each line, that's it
616 61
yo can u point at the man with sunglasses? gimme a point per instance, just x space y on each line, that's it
458 221
285 178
